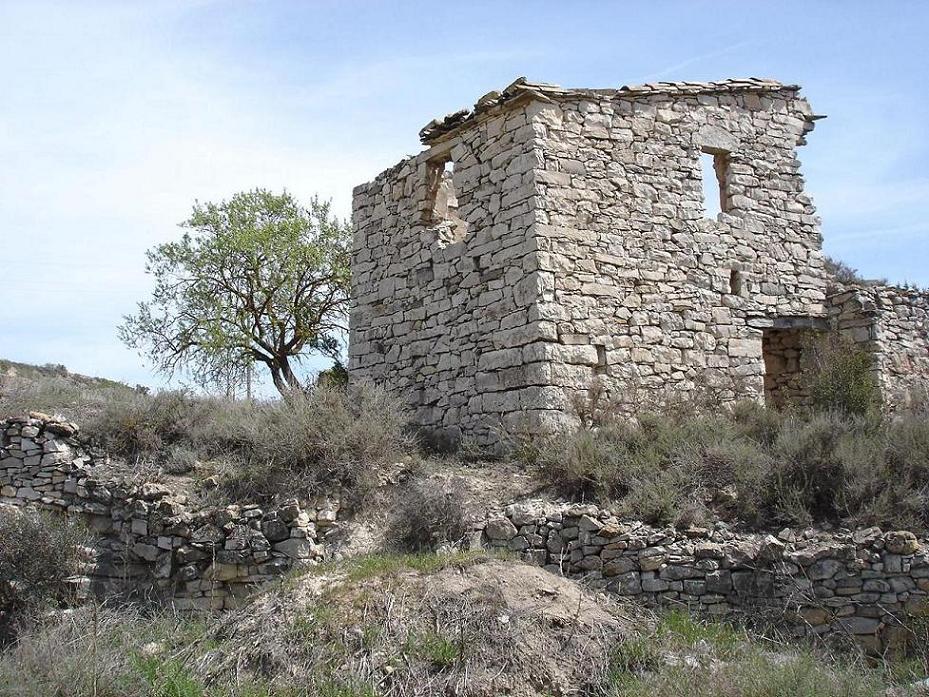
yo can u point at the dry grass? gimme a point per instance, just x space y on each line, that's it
333 435
422 625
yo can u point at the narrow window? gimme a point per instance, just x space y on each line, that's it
735 282
443 202
714 167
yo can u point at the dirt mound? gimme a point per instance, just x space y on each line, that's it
423 626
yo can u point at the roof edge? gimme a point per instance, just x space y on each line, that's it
436 129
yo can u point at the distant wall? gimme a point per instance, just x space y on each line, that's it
859 584
893 324
148 541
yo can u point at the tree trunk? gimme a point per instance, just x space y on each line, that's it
292 381
279 381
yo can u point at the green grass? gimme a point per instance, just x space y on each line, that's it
368 566
684 656
685 631
439 650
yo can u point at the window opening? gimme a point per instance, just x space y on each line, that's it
714 168
735 282
443 203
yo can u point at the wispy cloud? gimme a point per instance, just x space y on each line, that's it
676 68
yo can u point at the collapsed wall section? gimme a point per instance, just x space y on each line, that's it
891 323
148 541
443 299
650 295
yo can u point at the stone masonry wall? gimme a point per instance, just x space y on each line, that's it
431 314
646 290
147 541
859 584
893 324
585 252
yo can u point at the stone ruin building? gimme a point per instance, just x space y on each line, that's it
549 239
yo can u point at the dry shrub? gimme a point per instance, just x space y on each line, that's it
429 513
333 433
37 553
330 435
142 426
750 464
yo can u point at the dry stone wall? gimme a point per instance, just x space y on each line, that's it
648 291
148 540
859 584
434 317
580 251
893 324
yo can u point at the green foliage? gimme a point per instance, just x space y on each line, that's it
439 650
169 678
840 375
255 279
684 631
336 376
716 659
368 566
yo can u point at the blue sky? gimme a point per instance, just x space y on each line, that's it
115 116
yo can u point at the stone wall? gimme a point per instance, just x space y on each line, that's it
860 584
580 250
148 540
433 316
784 365
649 291
893 324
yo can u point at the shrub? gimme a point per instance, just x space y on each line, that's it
842 272
839 375
660 468
143 426
38 552
755 465
329 435
429 513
